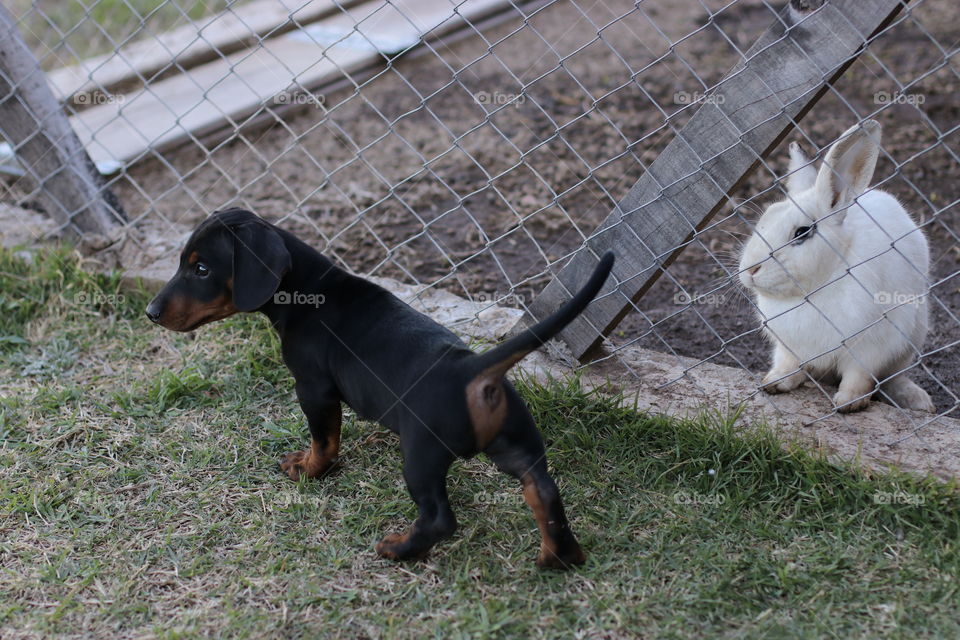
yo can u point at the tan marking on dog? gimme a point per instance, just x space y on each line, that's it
318 459
551 556
487 401
182 313
548 546
387 547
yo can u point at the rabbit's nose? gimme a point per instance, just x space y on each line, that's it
753 270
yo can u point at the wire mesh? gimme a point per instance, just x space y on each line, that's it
478 151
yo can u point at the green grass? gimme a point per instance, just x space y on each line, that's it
60 32
139 496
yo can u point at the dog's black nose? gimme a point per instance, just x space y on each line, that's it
153 313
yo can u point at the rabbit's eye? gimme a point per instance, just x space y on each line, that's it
802 233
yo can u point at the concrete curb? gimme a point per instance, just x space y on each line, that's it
879 438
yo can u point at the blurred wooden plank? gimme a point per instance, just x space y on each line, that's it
189 45
784 74
186 106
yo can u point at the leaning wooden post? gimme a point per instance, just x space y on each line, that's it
744 118
33 122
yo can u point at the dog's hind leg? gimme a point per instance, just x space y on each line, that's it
518 450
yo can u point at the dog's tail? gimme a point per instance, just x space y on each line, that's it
507 354
485 390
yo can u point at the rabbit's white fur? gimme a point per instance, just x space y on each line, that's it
847 299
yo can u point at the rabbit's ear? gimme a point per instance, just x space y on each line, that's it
848 167
802 174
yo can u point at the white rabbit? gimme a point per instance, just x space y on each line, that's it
840 278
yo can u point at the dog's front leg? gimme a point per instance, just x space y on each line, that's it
324 415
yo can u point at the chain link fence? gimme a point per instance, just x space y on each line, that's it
477 146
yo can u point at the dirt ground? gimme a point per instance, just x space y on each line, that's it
409 177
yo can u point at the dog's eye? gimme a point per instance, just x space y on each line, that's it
802 233
201 270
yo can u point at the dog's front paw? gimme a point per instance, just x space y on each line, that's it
294 464
303 464
396 546
568 558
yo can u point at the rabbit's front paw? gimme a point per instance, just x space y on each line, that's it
850 401
782 381
907 394
856 387
921 402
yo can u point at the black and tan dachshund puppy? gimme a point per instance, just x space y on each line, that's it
346 339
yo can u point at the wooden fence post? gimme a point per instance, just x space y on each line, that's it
33 122
745 117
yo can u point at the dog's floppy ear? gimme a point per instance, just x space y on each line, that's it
260 260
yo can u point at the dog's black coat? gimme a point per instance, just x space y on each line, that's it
346 339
